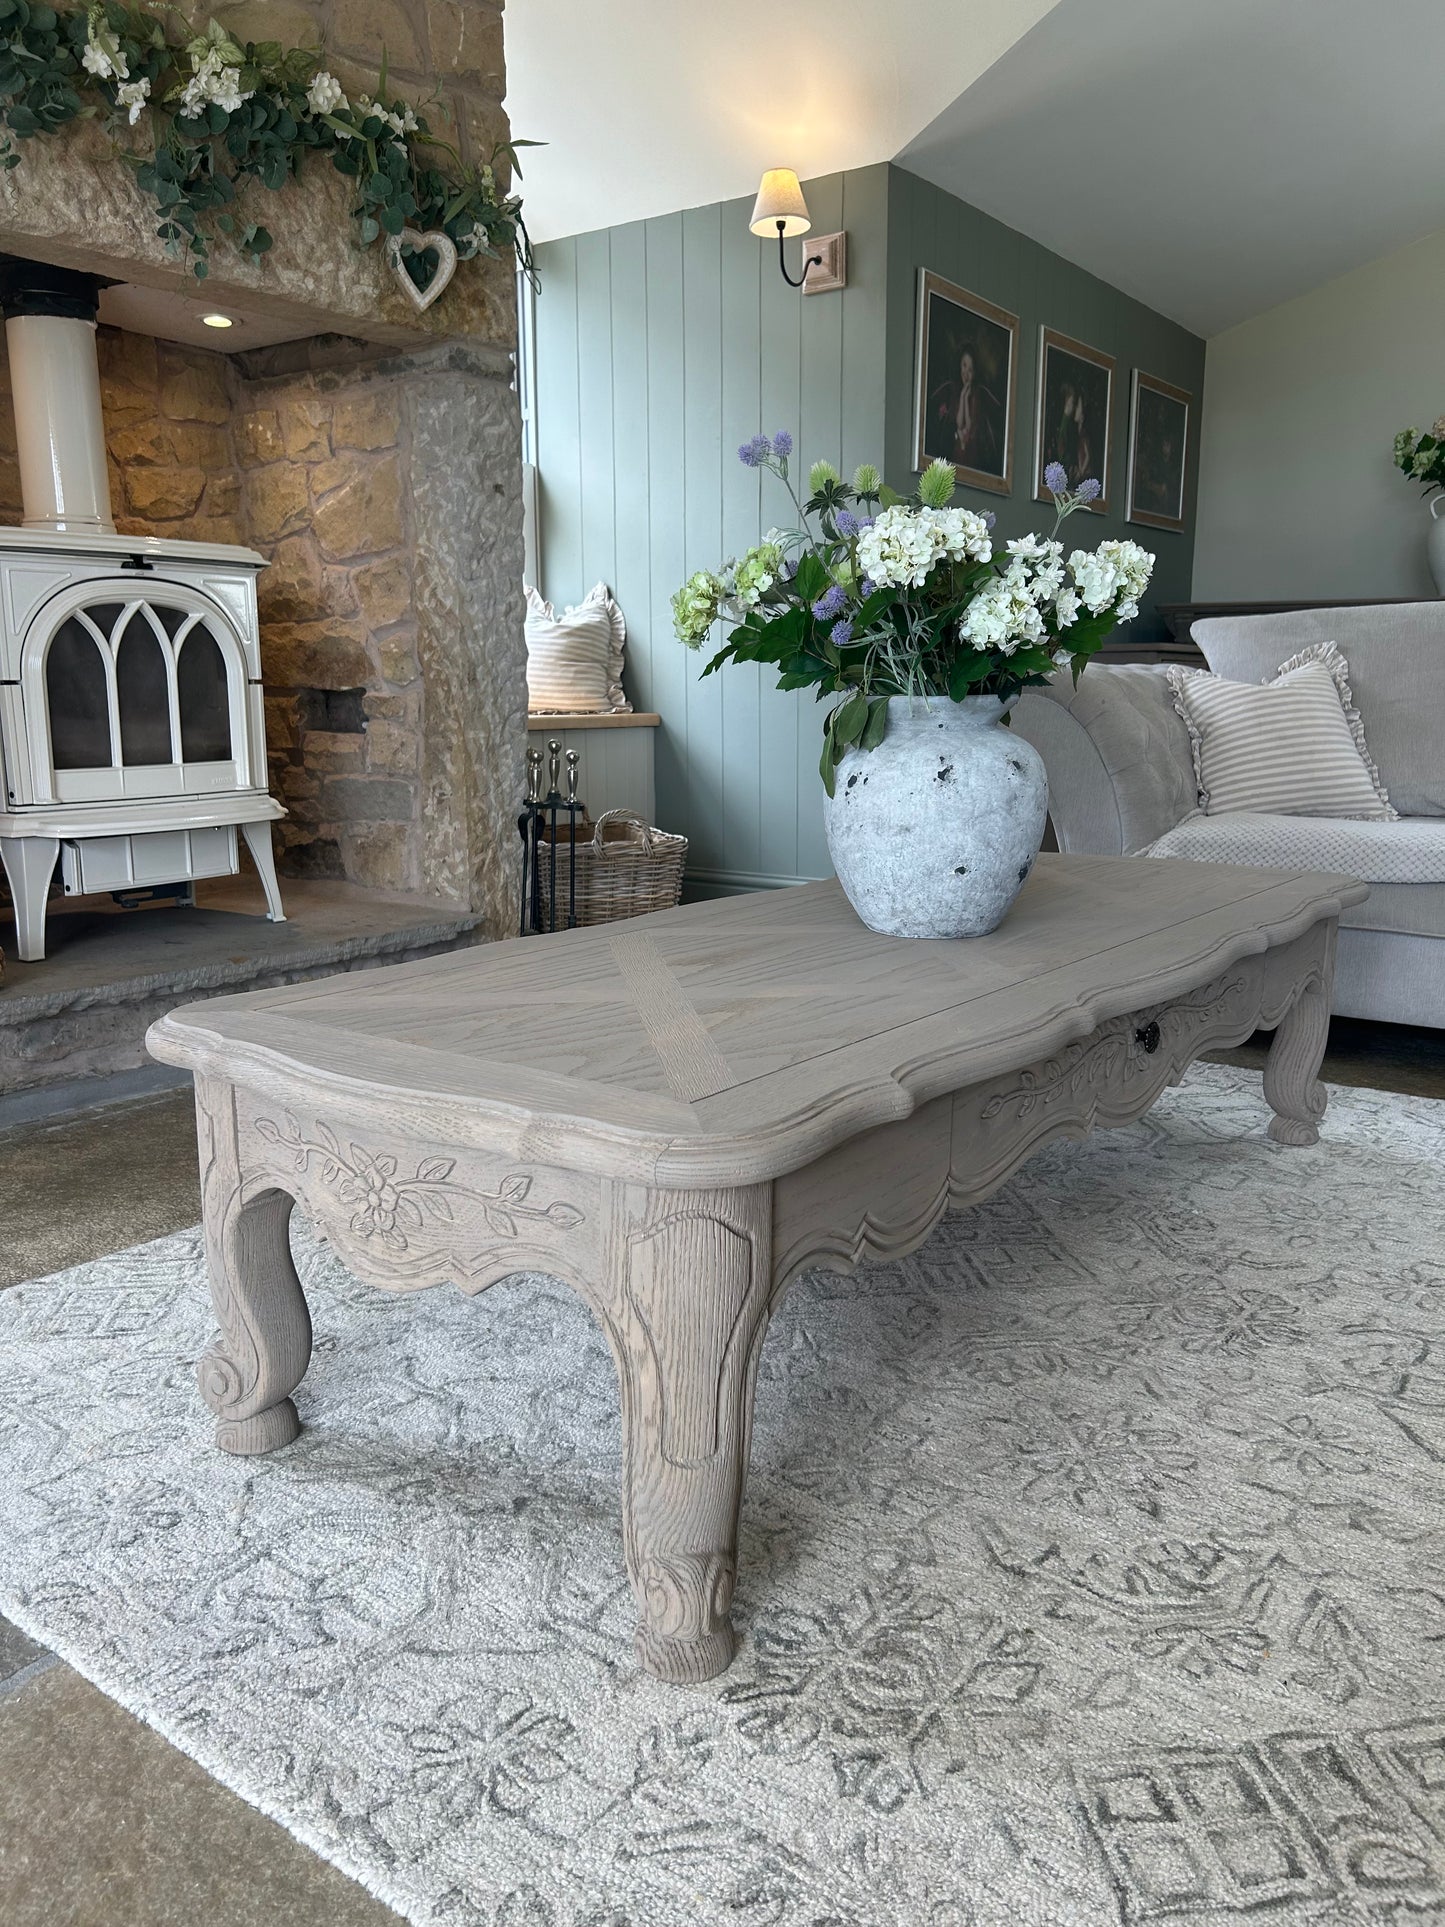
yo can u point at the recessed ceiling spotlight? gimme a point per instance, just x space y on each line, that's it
217 321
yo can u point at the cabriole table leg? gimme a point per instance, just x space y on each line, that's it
247 1375
1292 1084
690 1272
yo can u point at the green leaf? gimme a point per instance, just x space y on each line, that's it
851 720
828 761
877 725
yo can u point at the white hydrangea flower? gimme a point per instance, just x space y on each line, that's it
1041 559
905 543
1003 615
1115 570
899 550
133 94
1066 607
962 535
324 95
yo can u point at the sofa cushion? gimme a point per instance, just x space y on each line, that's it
1402 909
1396 653
1293 745
1410 850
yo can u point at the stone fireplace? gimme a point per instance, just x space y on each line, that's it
368 453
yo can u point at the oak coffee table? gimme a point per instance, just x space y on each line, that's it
677 1114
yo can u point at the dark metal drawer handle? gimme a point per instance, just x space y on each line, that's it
1148 1036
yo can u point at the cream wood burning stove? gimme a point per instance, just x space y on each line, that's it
132 735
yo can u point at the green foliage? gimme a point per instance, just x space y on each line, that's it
1422 457
219 117
912 601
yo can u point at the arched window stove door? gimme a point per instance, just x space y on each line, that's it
134 695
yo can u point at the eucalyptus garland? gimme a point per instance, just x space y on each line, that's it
220 114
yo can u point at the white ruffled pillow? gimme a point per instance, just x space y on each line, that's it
1291 746
574 661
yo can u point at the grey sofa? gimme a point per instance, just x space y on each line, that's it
1121 781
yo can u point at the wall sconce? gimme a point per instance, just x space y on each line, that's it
780 209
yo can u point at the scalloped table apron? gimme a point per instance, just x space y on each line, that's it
678 1114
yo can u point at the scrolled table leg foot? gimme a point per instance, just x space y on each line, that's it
685 1635
1291 1074
264 1431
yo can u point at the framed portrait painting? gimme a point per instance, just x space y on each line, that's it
1075 413
1158 448
964 384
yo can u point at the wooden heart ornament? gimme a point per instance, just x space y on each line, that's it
434 242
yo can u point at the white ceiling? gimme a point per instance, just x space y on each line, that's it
1211 157
648 106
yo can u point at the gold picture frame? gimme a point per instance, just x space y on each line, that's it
1076 389
965 384
1158 452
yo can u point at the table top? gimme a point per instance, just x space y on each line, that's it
729 1041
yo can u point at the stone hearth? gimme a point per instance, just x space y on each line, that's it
82 1014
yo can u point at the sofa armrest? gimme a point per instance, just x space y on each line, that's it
1120 768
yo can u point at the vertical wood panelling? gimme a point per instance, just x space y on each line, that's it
702 514
627 296
742 509
664 344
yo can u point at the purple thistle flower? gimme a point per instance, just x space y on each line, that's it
754 453
831 603
867 585
1056 481
846 523
840 633
1089 491
783 443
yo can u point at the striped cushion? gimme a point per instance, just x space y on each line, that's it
1291 747
574 661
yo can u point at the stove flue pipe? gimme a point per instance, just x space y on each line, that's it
50 316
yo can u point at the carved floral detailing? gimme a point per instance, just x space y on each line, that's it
387 1207
1115 1053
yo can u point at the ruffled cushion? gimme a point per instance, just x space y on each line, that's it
1292 746
574 661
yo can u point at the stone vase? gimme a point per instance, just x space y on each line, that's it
933 833
1435 543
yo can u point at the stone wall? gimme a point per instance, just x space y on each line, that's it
74 201
396 692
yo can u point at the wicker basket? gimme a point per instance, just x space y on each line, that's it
624 870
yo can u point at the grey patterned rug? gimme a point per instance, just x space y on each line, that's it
1093 1565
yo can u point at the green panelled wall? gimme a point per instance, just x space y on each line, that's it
662 345
928 228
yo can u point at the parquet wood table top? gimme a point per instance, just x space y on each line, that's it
678 1113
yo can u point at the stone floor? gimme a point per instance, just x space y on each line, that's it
101 1821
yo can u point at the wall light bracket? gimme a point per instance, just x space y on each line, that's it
827 267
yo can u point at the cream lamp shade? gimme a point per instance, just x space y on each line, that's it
780 205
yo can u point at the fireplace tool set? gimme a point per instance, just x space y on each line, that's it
575 871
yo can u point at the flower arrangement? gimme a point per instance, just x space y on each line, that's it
220 115
891 597
1422 457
